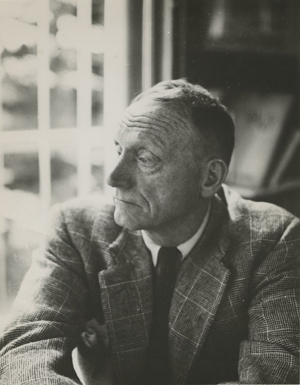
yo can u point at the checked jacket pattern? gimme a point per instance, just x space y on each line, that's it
234 314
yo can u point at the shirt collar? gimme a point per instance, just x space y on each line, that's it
184 247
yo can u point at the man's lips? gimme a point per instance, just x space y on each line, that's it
125 201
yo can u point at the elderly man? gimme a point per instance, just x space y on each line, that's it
182 281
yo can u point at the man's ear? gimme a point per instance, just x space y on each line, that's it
216 172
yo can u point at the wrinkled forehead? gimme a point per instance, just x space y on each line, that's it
163 118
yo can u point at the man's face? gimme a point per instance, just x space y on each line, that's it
156 178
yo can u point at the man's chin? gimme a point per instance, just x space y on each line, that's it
126 221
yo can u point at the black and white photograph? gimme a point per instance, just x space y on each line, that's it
149 192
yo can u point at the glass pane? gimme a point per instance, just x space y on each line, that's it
20 241
98 12
63 173
97 92
22 171
19 217
18 42
97 49
97 160
63 37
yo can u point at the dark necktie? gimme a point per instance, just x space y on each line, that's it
165 275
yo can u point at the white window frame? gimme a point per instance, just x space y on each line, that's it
83 136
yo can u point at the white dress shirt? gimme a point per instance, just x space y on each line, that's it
184 247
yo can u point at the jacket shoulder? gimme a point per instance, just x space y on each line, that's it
258 220
86 218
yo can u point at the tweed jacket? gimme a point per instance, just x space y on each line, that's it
234 314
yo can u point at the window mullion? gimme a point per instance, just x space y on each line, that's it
167 41
147 44
43 84
3 264
84 97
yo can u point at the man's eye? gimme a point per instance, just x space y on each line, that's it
147 159
143 159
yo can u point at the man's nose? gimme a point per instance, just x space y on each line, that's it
122 174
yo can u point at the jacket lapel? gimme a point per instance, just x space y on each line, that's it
199 288
127 298
126 289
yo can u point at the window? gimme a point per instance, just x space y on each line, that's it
53 144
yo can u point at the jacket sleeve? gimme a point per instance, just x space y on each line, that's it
270 355
48 315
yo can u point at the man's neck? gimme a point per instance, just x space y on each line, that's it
178 233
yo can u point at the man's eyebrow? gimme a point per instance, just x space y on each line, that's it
157 141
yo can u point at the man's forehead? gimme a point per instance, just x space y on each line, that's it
154 115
